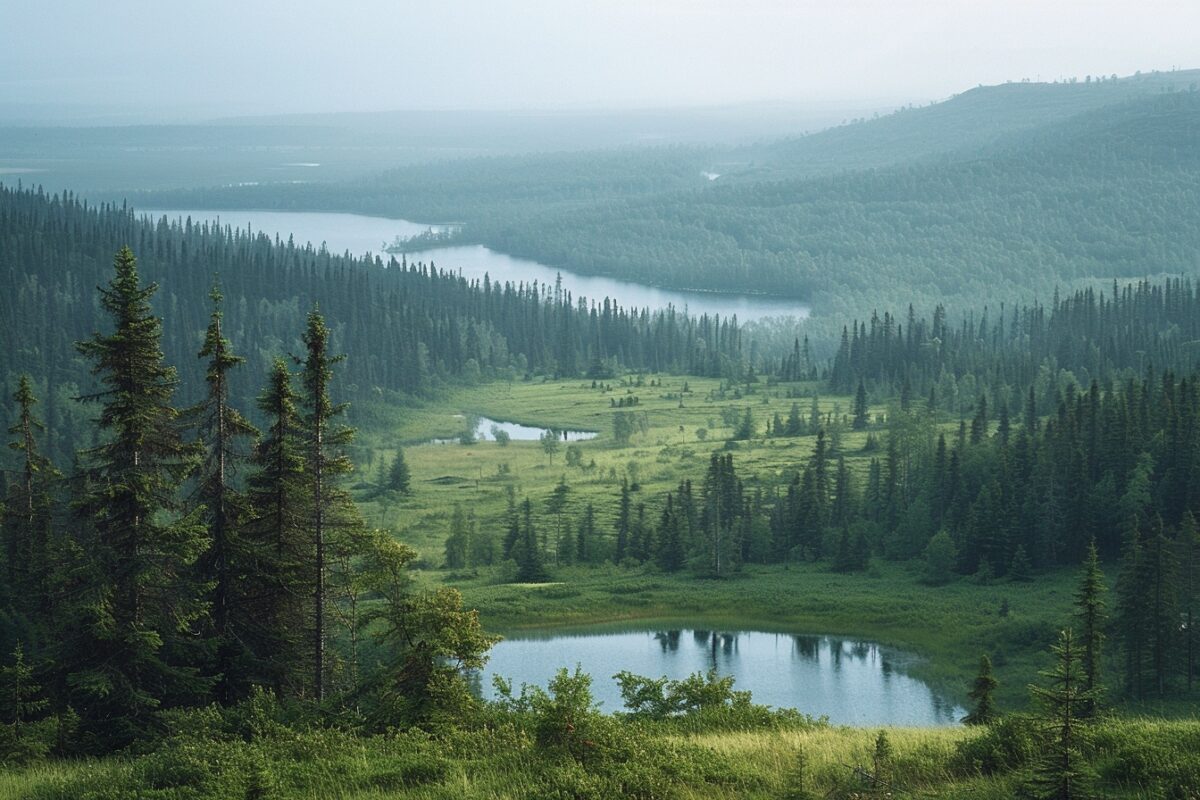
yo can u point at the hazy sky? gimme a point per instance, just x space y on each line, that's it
239 56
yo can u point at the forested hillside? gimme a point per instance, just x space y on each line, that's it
1002 192
1111 193
411 327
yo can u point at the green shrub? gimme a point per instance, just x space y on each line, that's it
1006 745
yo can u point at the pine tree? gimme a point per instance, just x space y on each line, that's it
221 429
1060 773
1090 614
136 601
984 712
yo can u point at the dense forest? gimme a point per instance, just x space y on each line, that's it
189 581
413 325
1032 185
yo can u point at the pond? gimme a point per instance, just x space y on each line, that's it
360 234
484 430
851 681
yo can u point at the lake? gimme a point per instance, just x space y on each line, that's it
483 426
360 234
853 682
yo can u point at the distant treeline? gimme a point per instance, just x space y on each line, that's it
411 327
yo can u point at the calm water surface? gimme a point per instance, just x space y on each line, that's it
360 234
853 682
482 428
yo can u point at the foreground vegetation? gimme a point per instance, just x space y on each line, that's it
556 745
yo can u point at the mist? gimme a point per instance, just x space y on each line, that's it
224 57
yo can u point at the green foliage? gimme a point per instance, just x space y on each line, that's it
135 594
941 557
984 712
1061 773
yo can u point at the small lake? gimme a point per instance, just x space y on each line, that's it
360 234
484 430
852 682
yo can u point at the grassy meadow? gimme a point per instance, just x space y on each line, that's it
947 627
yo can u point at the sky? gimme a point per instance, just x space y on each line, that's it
269 56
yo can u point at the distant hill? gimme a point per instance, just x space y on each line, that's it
997 193
962 126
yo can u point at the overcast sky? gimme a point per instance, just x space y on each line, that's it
240 56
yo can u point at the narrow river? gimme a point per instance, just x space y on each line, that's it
360 234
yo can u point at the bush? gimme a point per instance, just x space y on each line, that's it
1008 744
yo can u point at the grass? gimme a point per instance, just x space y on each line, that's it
948 627
1130 759
479 476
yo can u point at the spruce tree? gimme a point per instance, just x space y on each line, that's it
136 604
458 543
1091 617
527 551
20 694
1060 773
223 434
671 554
26 520
984 712
278 590
860 408
335 522
399 478
1189 563
624 524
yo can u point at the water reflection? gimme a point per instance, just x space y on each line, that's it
849 680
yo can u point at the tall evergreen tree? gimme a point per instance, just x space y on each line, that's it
1060 773
1090 614
984 712
399 478
26 524
278 591
135 604
337 528
222 432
